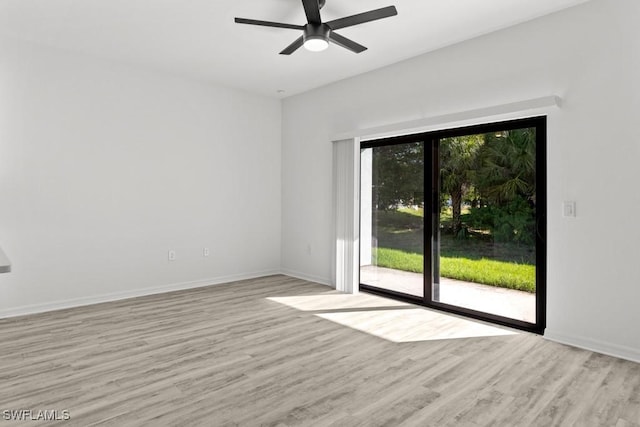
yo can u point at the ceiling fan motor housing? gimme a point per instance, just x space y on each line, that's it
316 31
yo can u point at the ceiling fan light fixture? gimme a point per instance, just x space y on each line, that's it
316 44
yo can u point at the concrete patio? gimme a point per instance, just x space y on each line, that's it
503 302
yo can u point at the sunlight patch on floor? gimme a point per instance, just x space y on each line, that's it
336 301
414 325
391 320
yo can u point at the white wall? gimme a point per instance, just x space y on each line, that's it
104 168
588 55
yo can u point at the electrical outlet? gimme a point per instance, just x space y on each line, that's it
569 209
172 255
205 252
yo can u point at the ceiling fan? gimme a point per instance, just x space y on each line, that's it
316 34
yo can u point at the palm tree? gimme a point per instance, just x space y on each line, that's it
458 161
507 166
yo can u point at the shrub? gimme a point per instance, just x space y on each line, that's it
512 222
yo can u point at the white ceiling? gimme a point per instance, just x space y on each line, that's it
198 38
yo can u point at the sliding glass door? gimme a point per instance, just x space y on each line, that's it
474 242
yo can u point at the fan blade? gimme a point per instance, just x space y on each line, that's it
293 46
361 18
346 43
312 10
268 24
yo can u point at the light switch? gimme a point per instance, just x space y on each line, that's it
569 209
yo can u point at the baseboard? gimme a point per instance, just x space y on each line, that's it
304 276
115 296
610 349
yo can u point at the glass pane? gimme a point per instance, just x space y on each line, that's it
485 257
392 218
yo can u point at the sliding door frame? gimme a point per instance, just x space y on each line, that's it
431 140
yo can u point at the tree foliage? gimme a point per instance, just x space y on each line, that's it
507 165
494 173
502 180
398 176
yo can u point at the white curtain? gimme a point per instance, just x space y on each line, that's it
346 217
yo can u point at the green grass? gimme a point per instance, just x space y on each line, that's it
398 260
503 274
521 277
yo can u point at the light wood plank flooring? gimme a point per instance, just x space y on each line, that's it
279 351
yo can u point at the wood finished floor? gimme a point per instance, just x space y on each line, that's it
228 355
